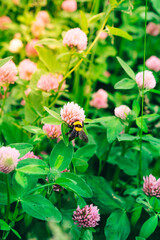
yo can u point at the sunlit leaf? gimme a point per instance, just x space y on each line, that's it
126 68
119 32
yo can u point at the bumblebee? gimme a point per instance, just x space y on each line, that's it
77 131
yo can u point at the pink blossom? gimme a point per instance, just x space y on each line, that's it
44 153
122 132
103 35
8 73
75 38
52 131
23 102
16 2
72 112
151 186
4 21
28 155
153 63
69 5
107 74
8 159
27 91
37 27
50 82
30 48
153 29
149 80
15 45
43 16
86 217
99 99
122 111
26 69
17 35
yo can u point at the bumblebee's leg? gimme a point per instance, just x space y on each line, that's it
73 135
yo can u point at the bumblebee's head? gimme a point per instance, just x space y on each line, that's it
78 126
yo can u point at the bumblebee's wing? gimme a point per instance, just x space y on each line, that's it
83 136
73 135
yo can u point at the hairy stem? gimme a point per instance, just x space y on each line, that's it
101 165
8 199
142 103
115 177
4 100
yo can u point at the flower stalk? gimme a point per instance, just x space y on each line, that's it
8 199
142 102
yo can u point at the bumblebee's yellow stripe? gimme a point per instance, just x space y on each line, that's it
78 129
77 123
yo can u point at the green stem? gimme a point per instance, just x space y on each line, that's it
101 165
5 235
93 4
82 233
69 60
96 7
8 199
141 132
4 100
115 177
118 170
76 85
59 200
40 187
15 214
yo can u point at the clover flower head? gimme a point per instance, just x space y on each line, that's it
107 74
30 48
153 63
72 112
15 45
8 159
122 111
149 80
69 5
43 16
4 21
75 38
8 73
26 69
16 2
151 186
49 82
52 131
103 35
37 27
27 91
153 29
99 99
28 155
86 217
